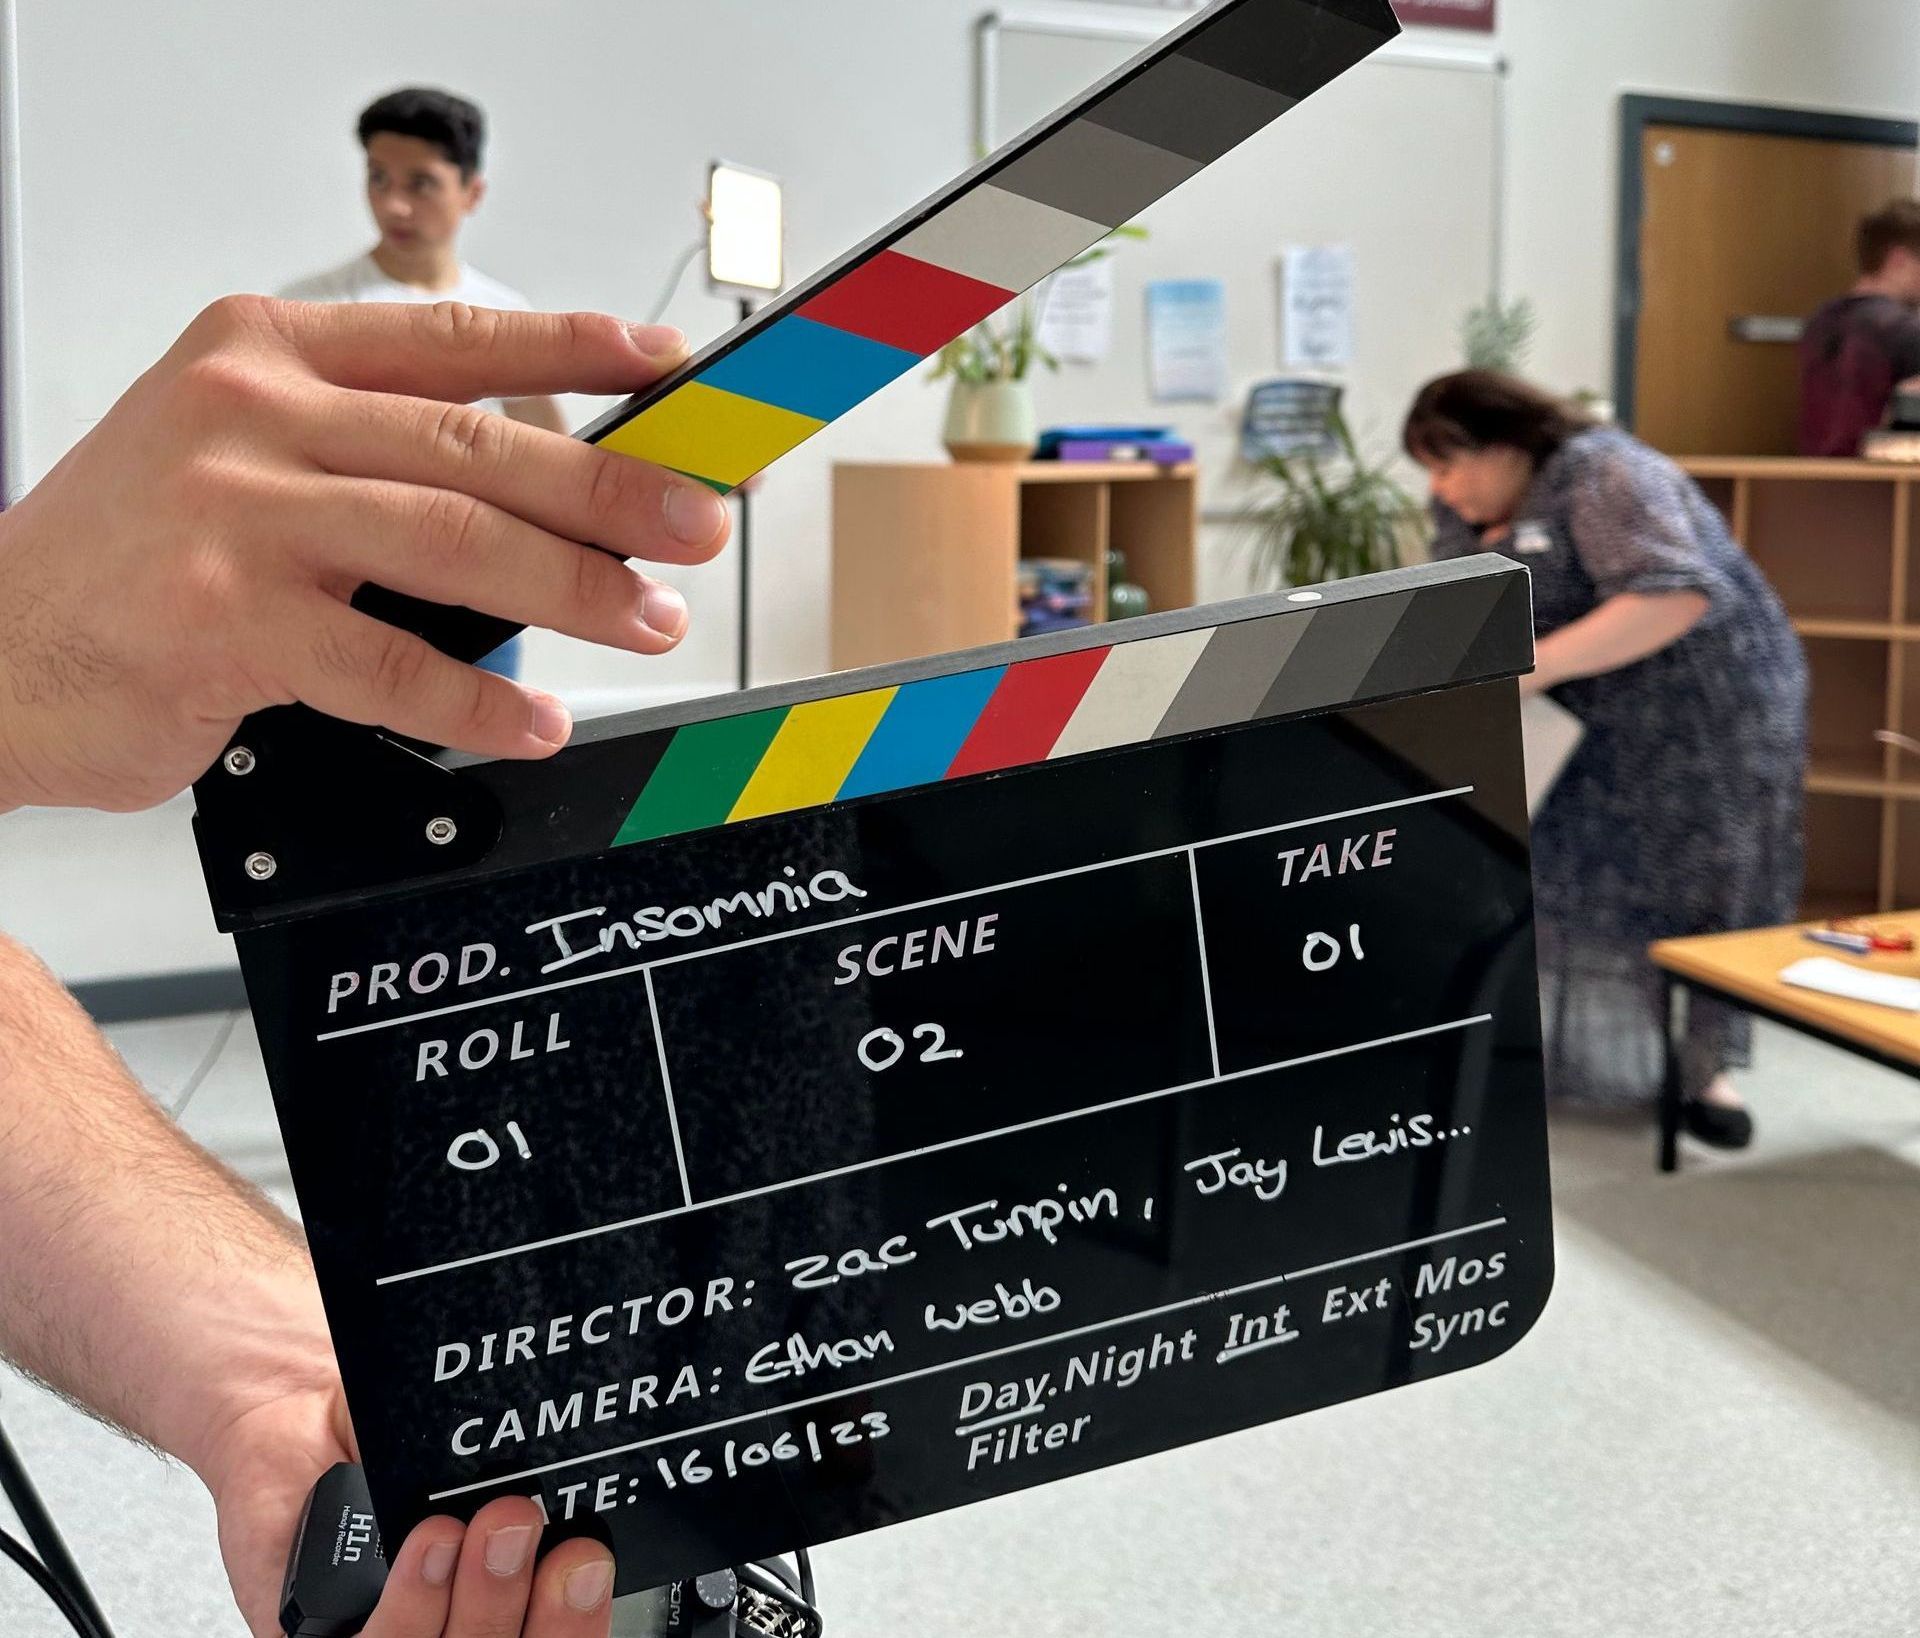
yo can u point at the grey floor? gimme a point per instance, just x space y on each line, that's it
1715 1429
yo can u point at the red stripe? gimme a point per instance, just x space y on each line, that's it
1028 712
905 303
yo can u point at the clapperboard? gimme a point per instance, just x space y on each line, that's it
780 1116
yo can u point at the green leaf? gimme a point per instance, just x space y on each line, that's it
1327 517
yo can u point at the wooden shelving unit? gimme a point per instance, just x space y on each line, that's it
1836 538
926 556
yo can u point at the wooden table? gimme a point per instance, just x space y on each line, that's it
1744 970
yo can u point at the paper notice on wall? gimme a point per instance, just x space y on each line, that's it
1187 340
1316 283
1076 313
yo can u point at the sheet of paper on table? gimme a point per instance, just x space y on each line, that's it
1551 734
1832 977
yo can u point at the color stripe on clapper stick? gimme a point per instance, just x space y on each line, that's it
1228 76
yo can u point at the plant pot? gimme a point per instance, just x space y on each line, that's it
991 421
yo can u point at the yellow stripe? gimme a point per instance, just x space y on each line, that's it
813 753
712 434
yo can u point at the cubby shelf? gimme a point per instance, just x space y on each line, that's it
926 557
1875 631
1836 540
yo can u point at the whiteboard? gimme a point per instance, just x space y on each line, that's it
1422 137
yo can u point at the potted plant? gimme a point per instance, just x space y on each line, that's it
1498 335
1328 517
990 413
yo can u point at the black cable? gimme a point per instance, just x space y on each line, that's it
805 1560
775 1566
771 1586
41 1531
43 1579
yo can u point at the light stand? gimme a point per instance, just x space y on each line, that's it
743 548
746 257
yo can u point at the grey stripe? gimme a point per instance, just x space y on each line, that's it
1087 170
1435 637
1187 107
1234 674
1290 46
1505 644
1338 651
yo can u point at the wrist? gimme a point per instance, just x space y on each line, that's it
1549 665
262 1347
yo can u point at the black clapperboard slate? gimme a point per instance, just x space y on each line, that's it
785 1115
748 1184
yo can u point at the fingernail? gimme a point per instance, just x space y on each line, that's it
587 1587
507 1549
658 340
695 513
552 721
664 610
436 1567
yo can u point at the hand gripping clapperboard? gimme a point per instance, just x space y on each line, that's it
787 1114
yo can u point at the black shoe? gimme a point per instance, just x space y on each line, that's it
1718 1124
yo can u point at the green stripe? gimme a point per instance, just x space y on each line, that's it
714 484
701 776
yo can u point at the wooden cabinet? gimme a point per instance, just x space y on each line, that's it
1836 538
926 557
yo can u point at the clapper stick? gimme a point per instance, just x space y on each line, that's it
815 353
776 1117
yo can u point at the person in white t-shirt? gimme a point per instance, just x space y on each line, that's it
424 179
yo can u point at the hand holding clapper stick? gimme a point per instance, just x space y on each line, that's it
1182 696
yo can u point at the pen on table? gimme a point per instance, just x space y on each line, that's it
1853 943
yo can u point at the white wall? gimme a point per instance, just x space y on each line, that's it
174 153
1572 59
1411 191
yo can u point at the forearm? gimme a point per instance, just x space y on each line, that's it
1620 632
137 1275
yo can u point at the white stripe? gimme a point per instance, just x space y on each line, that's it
1001 238
1131 693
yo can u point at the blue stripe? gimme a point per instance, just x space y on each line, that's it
921 733
809 368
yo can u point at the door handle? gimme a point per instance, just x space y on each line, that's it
1769 329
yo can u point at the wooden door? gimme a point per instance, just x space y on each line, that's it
1739 226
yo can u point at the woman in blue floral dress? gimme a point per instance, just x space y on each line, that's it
1682 810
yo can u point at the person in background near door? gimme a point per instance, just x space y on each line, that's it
1861 346
1681 811
424 179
